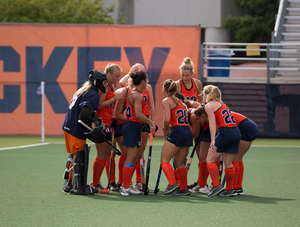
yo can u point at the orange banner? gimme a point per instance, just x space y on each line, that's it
62 55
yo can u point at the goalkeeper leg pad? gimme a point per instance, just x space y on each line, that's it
81 164
68 172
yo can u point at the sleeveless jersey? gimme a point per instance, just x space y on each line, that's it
238 117
106 113
130 113
178 116
145 103
224 117
204 127
190 94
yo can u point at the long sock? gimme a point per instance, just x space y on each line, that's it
168 171
98 167
182 175
218 164
214 173
121 162
236 173
240 175
138 175
203 174
127 175
229 176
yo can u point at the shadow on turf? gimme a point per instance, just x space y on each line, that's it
193 198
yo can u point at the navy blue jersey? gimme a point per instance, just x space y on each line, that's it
71 125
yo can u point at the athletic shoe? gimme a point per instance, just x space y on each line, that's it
100 189
205 190
215 191
140 186
116 186
68 185
171 189
130 191
239 191
192 185
228 193
195 189
183 192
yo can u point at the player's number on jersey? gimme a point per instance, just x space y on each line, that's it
128 112
182 118
228 118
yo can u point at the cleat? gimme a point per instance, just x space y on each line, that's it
228 193
130 191
99 189
192 185
140 186
195 189
68 185
116 186
215 191
171 189
205 190
183 192
239 191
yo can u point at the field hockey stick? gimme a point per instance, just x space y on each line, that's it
110 166
192 155
221 168
118 152
223 182
146 191
142 172
156 190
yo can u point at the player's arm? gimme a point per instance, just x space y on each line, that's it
124 80
137 98
119 105
199 88
166 114
212 122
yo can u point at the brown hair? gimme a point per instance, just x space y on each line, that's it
200 110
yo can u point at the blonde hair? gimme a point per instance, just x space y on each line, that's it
213 93
112 68
171 89
85 87
187 64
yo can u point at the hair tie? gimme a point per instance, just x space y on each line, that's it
186 69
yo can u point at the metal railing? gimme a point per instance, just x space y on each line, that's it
272 57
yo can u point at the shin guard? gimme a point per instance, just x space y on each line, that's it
81 164
68 174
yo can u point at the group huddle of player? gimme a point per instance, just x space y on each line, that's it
126 117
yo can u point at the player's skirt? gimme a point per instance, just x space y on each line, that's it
181 136
204 136
249 130
131 134
228 140
118 132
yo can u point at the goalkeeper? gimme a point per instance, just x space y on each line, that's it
82 107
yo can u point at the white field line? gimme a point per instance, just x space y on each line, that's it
25 146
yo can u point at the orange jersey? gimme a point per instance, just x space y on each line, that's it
130 112
190 94
224 117
204 127
106 113
178 116
145 104
238 117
